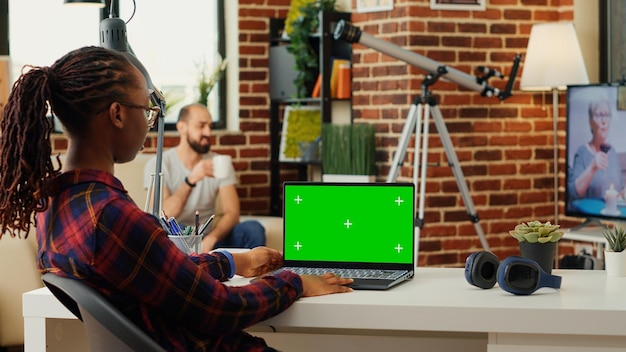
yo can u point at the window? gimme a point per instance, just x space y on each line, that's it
174 40
41 31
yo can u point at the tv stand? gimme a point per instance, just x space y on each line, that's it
590 222
591 230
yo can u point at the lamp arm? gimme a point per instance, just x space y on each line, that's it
113 36
352 34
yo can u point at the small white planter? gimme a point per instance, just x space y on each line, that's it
615 263
348 178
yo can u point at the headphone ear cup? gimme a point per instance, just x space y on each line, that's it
481 269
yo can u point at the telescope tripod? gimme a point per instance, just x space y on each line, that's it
418 115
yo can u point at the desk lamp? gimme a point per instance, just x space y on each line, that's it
113 36
553 61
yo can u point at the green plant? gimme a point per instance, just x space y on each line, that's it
616 238
206 82
306 60
349 149
172 97
537 232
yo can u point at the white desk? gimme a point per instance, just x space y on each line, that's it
585 315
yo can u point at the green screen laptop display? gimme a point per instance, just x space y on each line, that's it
363 223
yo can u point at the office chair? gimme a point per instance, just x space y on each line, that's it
106 327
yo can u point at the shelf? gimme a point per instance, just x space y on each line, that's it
296 100
313 162
282 75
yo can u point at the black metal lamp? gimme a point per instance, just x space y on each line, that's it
97 3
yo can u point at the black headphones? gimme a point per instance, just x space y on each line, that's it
517 275
481 269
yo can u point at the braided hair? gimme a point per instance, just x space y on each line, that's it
76 87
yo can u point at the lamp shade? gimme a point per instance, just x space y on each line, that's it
97 3
553 58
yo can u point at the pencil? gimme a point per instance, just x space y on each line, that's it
197 222
204 226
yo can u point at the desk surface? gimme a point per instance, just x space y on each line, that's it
439 299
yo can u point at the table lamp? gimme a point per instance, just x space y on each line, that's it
553 61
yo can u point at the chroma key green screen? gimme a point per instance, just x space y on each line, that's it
370 222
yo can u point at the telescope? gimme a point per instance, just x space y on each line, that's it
416 116
352 34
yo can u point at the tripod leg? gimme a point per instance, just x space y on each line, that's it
453 161
422 117
422 168
403 143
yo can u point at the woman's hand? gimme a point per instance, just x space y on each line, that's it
601 161
325 284
257 261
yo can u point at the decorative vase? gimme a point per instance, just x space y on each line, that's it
542 253
615 263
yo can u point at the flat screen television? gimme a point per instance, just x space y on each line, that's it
596 152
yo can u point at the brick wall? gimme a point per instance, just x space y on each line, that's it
504 147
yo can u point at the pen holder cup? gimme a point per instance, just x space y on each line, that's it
188 244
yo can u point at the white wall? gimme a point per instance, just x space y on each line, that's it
587 28
231 21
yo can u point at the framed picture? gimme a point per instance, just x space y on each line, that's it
468 5
5 81
373 5
301 134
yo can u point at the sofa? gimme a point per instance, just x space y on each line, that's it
18 270
127 173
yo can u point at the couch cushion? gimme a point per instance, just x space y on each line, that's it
18 274
131 175
273 229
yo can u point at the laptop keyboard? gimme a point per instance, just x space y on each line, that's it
351 273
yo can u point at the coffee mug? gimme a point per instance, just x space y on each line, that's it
221 165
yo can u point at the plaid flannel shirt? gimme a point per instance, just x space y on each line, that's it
92 231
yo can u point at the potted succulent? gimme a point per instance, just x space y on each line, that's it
349 152
538 241
614 256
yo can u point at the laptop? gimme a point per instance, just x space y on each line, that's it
351 229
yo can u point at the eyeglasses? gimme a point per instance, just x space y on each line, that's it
522 276
152 113
602 116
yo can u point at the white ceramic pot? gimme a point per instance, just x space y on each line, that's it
615 263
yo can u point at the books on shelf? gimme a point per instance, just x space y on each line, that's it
317 89
340 81
334 77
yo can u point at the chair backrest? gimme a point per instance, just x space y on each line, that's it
106 327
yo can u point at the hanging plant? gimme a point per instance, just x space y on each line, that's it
306 58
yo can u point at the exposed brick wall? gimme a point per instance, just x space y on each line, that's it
504 147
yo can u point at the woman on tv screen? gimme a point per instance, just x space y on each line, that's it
596 169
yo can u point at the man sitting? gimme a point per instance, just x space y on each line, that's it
190 185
